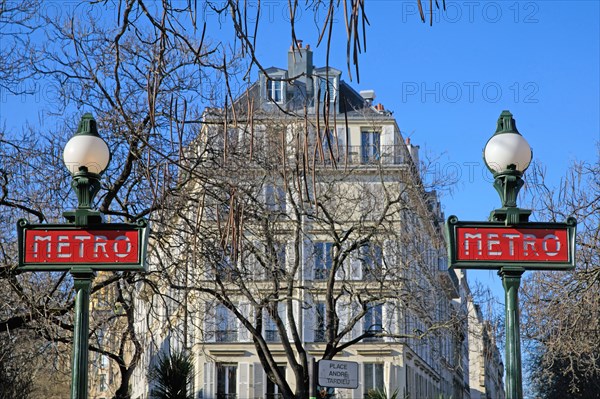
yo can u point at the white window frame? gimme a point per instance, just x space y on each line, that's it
321 87
323 256
275 90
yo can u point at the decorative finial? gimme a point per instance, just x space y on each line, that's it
87 126
506 123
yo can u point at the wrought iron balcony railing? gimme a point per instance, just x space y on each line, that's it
226 336
272 336
319 336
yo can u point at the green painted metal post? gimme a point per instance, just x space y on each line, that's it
312 378
82 278
511 279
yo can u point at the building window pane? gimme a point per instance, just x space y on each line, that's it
226 325
326 88
323 253
373 320
275 90
226 381
371 259
370 144
372 377
272 388
319 322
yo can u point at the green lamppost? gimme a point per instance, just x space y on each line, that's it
86 156
508 241
507 154
85 244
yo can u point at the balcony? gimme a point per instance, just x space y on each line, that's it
226 336
321 274
351 155
272 336
319 335
359 155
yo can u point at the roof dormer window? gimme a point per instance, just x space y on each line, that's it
275 90
326 88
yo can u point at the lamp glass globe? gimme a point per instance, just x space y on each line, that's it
86 150
506 149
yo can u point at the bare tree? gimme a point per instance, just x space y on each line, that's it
562 309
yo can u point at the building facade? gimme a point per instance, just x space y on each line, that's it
307 234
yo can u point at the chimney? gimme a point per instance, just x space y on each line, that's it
368 96
379 107
413 150
300 61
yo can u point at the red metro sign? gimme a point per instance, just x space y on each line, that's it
491 245
118 246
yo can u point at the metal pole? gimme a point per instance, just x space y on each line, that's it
82 278
312 378
511 279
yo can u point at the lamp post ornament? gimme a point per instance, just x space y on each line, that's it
508 242
85 244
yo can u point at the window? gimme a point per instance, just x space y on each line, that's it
226 325
326 88
272 388
319 322
224 264
102 385
372 377
369 146
275 90
373 320
329 146
226 381
323 253
371 260
275 198
271 331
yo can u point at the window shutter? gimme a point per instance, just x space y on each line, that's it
209 380
355 266
309 324
390 266
210 323
343 310
258 381
357 328
390 320
358 392
244 381
309 261
282 312
244 334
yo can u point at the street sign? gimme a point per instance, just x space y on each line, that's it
338 374
492 245
59 247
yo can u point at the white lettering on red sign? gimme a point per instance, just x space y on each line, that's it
512 244
85 246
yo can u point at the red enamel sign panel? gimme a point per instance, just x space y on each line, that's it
493 245
55 247
81 246
512 244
